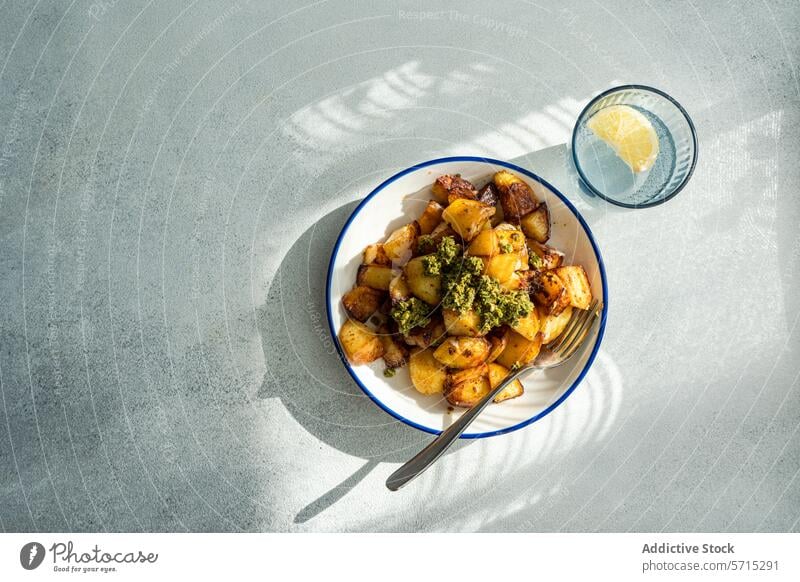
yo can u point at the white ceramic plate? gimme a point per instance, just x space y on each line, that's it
401 199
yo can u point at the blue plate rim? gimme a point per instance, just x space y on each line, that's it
491 161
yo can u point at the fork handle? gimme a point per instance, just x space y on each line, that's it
429 455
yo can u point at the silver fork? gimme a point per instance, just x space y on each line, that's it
556 353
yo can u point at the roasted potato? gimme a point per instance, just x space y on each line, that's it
497 374
442 230
462 324
537 223
485 244
430 218
431 334
549 258
466 387
467 217
375 276
576 282
428 375
375 255
462 352
511 237
423 286
360 344
498 344
488 195
500 267
395 354
361 302
400 245
551 326
528 326
516 197
519 351
448 188
549 292
399 289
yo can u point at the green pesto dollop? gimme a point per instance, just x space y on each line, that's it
410 313
389 372
426 245
535 261
465 287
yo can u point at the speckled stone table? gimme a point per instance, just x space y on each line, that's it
173 176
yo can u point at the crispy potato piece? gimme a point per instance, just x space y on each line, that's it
375 276
399 289
497 374
498 344
428 375
462 352
551 326
448 188
400 245
430 218
462 324
549 257
360 344
537 224
361 302
488 195
498 217
528 326
423 286
467 217
549 292
395 354
430 335
577 284
500 267
516 197
442 230
375 255
519 351
485 244
510 236
466 387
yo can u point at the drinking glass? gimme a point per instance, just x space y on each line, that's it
603 173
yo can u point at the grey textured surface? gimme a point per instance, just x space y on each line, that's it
173 176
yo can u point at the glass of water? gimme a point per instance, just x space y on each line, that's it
605 174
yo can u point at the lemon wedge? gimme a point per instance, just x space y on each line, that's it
629 133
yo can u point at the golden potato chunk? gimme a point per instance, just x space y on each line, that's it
441 231
423 286
448 188
395 354
551 325
399 289
519 351
360 344
497 374
516 197
462 352
577 285
549 258
428 375
400 245
537 224
549 292
430 335
528 326
497 345
430 218
375 255
485 244
375 276
511 238
467 217
466 387
500 267
462 324
361 302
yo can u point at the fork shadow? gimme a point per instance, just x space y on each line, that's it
312 384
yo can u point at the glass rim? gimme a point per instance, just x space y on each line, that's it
585 181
